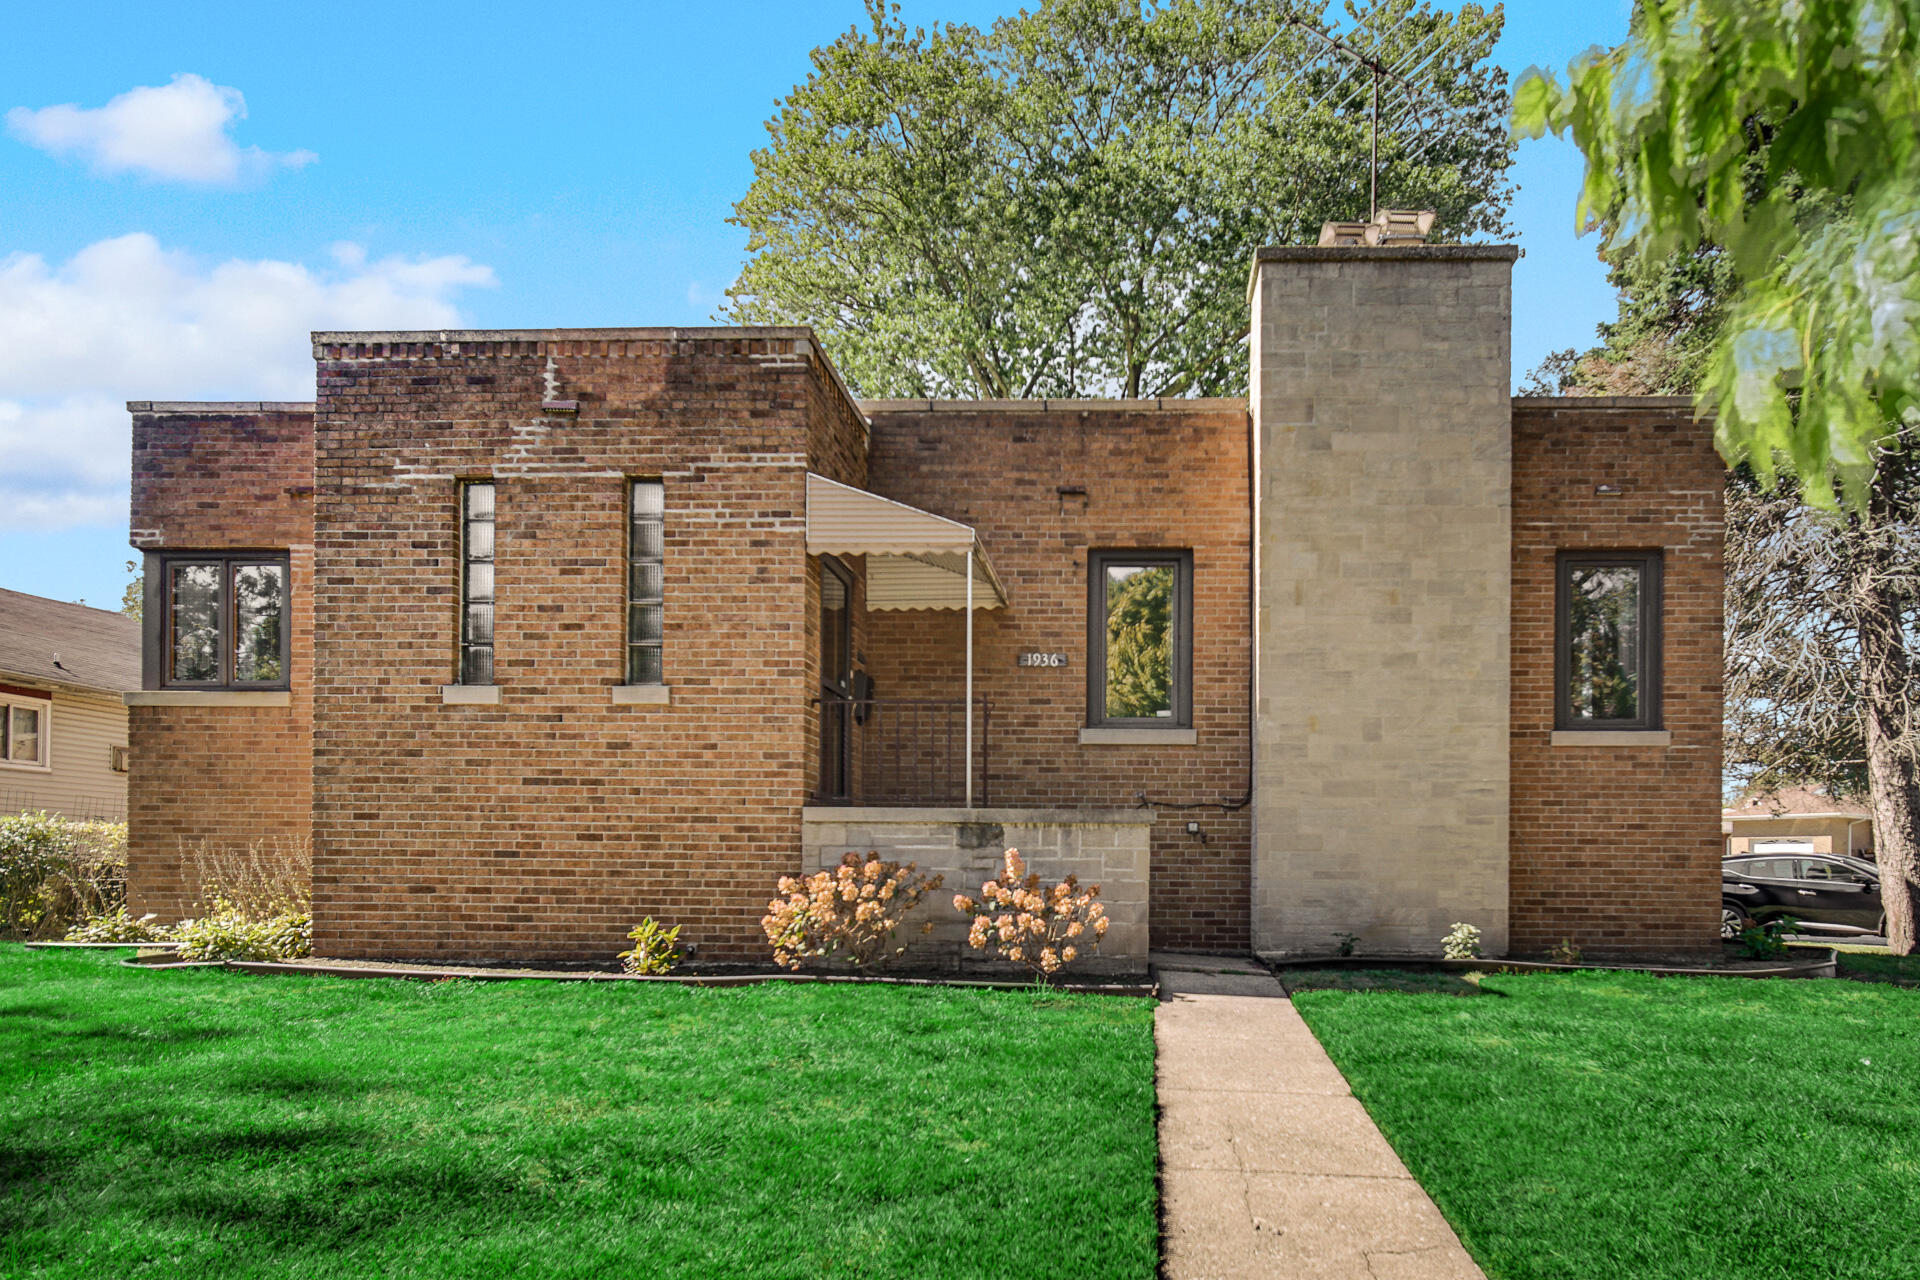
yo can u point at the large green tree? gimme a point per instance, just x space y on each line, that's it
1066 204
1788 135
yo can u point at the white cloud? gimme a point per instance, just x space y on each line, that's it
126 319
176 132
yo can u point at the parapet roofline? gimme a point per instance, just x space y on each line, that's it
1377 253
645 333
1164 404
802 336
215 407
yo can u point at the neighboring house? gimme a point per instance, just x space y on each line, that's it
1798 820
539 632
63 725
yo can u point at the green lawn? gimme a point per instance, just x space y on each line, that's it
207 1124
1617 1125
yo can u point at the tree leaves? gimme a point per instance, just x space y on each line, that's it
1820 353
1066 204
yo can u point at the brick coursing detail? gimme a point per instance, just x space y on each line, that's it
1617 848
225 777
546 826
1164 477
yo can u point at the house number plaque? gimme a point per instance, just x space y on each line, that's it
1043 660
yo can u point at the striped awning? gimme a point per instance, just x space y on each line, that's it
915 559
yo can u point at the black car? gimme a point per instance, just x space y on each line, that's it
1828 893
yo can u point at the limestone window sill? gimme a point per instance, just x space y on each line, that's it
1138 737
642 695
470 695
208 698
1612 738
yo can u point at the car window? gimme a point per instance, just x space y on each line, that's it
1768 868
1817 870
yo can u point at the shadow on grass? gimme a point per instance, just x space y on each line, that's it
1406 981
1900 971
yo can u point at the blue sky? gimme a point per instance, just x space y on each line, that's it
426 165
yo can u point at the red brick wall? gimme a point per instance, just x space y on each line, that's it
546 826
1155 477
220 777
1617 848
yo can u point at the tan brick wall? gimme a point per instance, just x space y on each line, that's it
1167 474
1618 848
547 825
223 777
1380 385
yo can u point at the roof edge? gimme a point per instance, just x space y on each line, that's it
1386 253
1603 402
219 406
644 333
1166 404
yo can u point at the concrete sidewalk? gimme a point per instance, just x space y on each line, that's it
1270 1167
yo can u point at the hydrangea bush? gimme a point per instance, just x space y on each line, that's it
852 912
1043 929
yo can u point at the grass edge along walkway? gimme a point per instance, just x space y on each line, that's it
1616 1124
200 1122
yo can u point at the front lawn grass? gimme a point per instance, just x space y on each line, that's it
1619 1125
209 1124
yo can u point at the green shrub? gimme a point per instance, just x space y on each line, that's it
655 949
118 926
227 934
56 874
1767 941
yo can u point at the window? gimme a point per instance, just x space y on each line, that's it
1607 642
1832 871
646 570
836 626
223 621
1140 639
1769 869
476 582
23 732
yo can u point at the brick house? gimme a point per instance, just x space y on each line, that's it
539 632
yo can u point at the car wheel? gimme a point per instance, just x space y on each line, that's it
1732 920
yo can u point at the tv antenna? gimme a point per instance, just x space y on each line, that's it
1391 86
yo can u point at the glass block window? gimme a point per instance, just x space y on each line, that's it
646 553
223 621
1607 641
476 582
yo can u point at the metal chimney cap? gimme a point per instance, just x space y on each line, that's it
1389 227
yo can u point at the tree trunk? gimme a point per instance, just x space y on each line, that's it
1894 787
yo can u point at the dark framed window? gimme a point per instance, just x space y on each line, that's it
1140 639
476 581
646 587
1607 640
223 620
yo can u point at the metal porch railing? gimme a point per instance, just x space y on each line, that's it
902 751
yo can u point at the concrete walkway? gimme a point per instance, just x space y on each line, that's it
1270 1167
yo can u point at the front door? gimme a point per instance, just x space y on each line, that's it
836 680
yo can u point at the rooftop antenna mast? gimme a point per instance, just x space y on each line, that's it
1390 82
